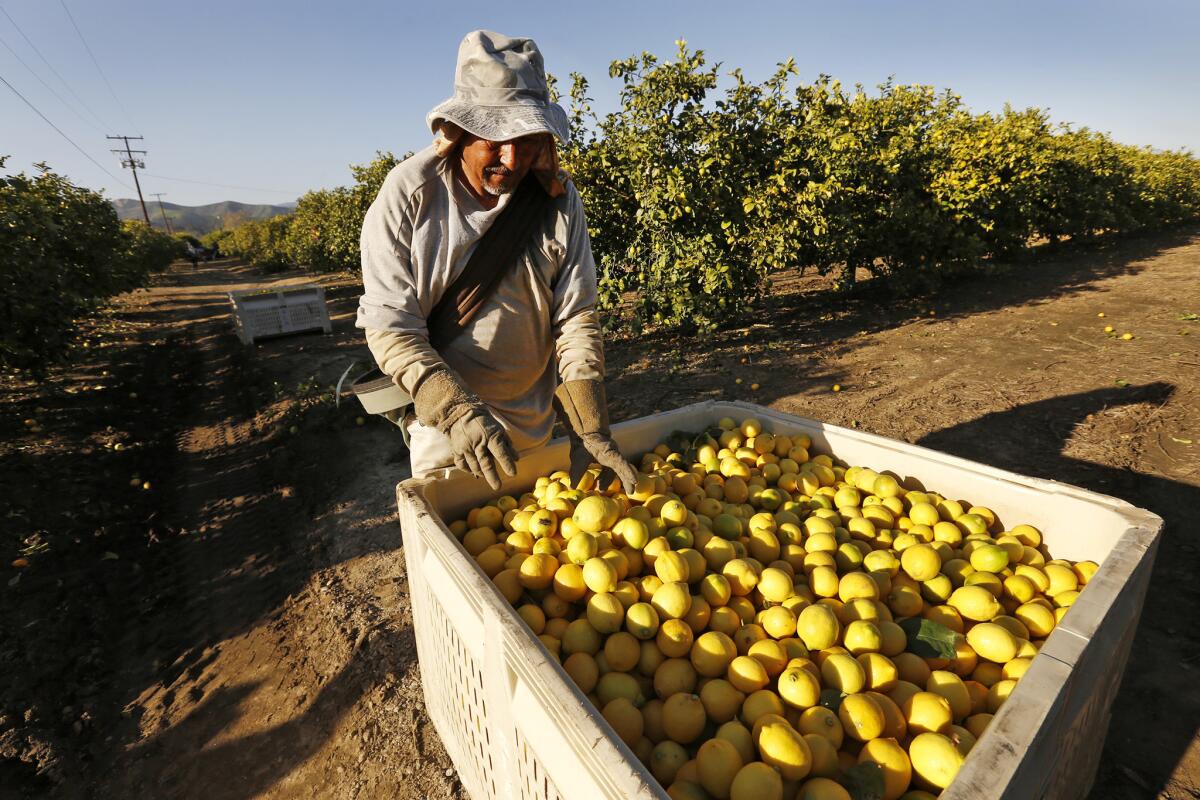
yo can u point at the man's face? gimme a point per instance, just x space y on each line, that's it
498 167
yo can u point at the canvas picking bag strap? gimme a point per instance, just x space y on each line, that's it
497 254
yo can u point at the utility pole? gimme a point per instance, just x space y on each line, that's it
133 164
167 222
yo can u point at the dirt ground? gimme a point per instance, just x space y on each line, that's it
211 599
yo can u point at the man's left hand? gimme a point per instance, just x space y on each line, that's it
601 449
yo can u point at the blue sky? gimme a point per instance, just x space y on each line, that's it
279 97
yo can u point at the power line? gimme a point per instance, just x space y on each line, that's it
112 91
83 152
225 185
49 88
50 67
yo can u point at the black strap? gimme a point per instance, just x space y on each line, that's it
498 251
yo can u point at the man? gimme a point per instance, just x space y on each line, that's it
522 336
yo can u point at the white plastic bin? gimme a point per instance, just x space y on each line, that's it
259 313
517 726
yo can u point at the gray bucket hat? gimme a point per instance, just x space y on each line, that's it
500 90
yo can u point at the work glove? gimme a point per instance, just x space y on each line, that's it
479 443
584 410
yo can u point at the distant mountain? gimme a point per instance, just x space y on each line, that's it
200 219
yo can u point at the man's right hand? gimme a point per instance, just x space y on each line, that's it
479 443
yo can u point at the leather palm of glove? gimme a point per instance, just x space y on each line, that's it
584 410
479 443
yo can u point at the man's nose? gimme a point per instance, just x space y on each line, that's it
508 155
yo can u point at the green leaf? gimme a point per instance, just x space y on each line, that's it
831 699
864 781
929 639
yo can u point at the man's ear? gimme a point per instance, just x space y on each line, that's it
447 138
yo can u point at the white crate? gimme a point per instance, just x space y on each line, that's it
517 726
294 309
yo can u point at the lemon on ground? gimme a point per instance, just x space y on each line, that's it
935 759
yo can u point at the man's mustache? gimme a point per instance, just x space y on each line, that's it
502 171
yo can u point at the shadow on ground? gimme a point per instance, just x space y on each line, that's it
1155 693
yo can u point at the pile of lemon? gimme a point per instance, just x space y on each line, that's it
759 621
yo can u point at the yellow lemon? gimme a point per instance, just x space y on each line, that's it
622 651
951 687
842 672
927 712
642 620
756 781
599 575
993 642
625 720
605 613
935 759
921 562
818 627
822 789
721 700
975 603
596 513
784 748
861 717
822 721
717 762
799 688
893 762
683 717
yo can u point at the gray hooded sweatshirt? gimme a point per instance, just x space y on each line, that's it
540 325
